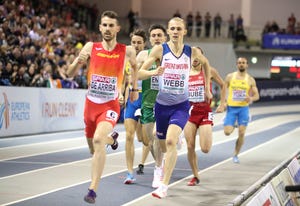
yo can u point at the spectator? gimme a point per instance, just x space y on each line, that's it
207 24
240 34
177 14
240 21
7 71
297 28
4 76
217 25
131 20
231 26
190 23
267 28
291 24
19 76
274 27
28 77
198 20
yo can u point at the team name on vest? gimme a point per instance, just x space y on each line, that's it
176 66
238 87
101 79
112 56
197 82
103 83
172 76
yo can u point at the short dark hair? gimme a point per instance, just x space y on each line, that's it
139 32
110 14
157 26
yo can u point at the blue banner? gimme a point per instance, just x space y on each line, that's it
281 41
278 90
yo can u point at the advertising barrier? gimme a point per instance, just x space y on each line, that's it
278 90
281 41
26 110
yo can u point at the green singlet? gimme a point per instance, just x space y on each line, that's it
149 93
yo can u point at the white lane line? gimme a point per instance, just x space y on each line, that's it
112 173
217 164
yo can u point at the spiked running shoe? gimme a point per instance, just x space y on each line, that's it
115 136
160 192
140 170
90 197
194 181
235 159
129 179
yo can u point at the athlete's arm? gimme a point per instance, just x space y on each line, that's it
218 79
131 55
254 94
154 55
82 58
227 81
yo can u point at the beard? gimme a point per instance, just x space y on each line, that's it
107 37
242 70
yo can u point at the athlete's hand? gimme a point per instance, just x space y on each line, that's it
121 99
221 108
208 95
248 99
133 95
159 71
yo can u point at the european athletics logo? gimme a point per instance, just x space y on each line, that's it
4 112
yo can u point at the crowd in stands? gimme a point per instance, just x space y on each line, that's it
39 39
209 23
292 27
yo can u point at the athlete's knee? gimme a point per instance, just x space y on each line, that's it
129 138
191 146
170 143
228 130
97 140
205 149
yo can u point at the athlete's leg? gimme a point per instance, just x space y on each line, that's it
205 134
173 133
130 127
98 160
190 131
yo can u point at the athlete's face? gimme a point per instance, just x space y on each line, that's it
109 28
138 43
176 30
157 37
242 64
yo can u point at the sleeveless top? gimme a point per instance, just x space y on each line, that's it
197 87
238 90
105 73
150 89
173 84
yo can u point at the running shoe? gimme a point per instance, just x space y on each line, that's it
160 192
235 159
140 170
115 136
194 181
157 177
90 197
129 179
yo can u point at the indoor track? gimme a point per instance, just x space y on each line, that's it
54 169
